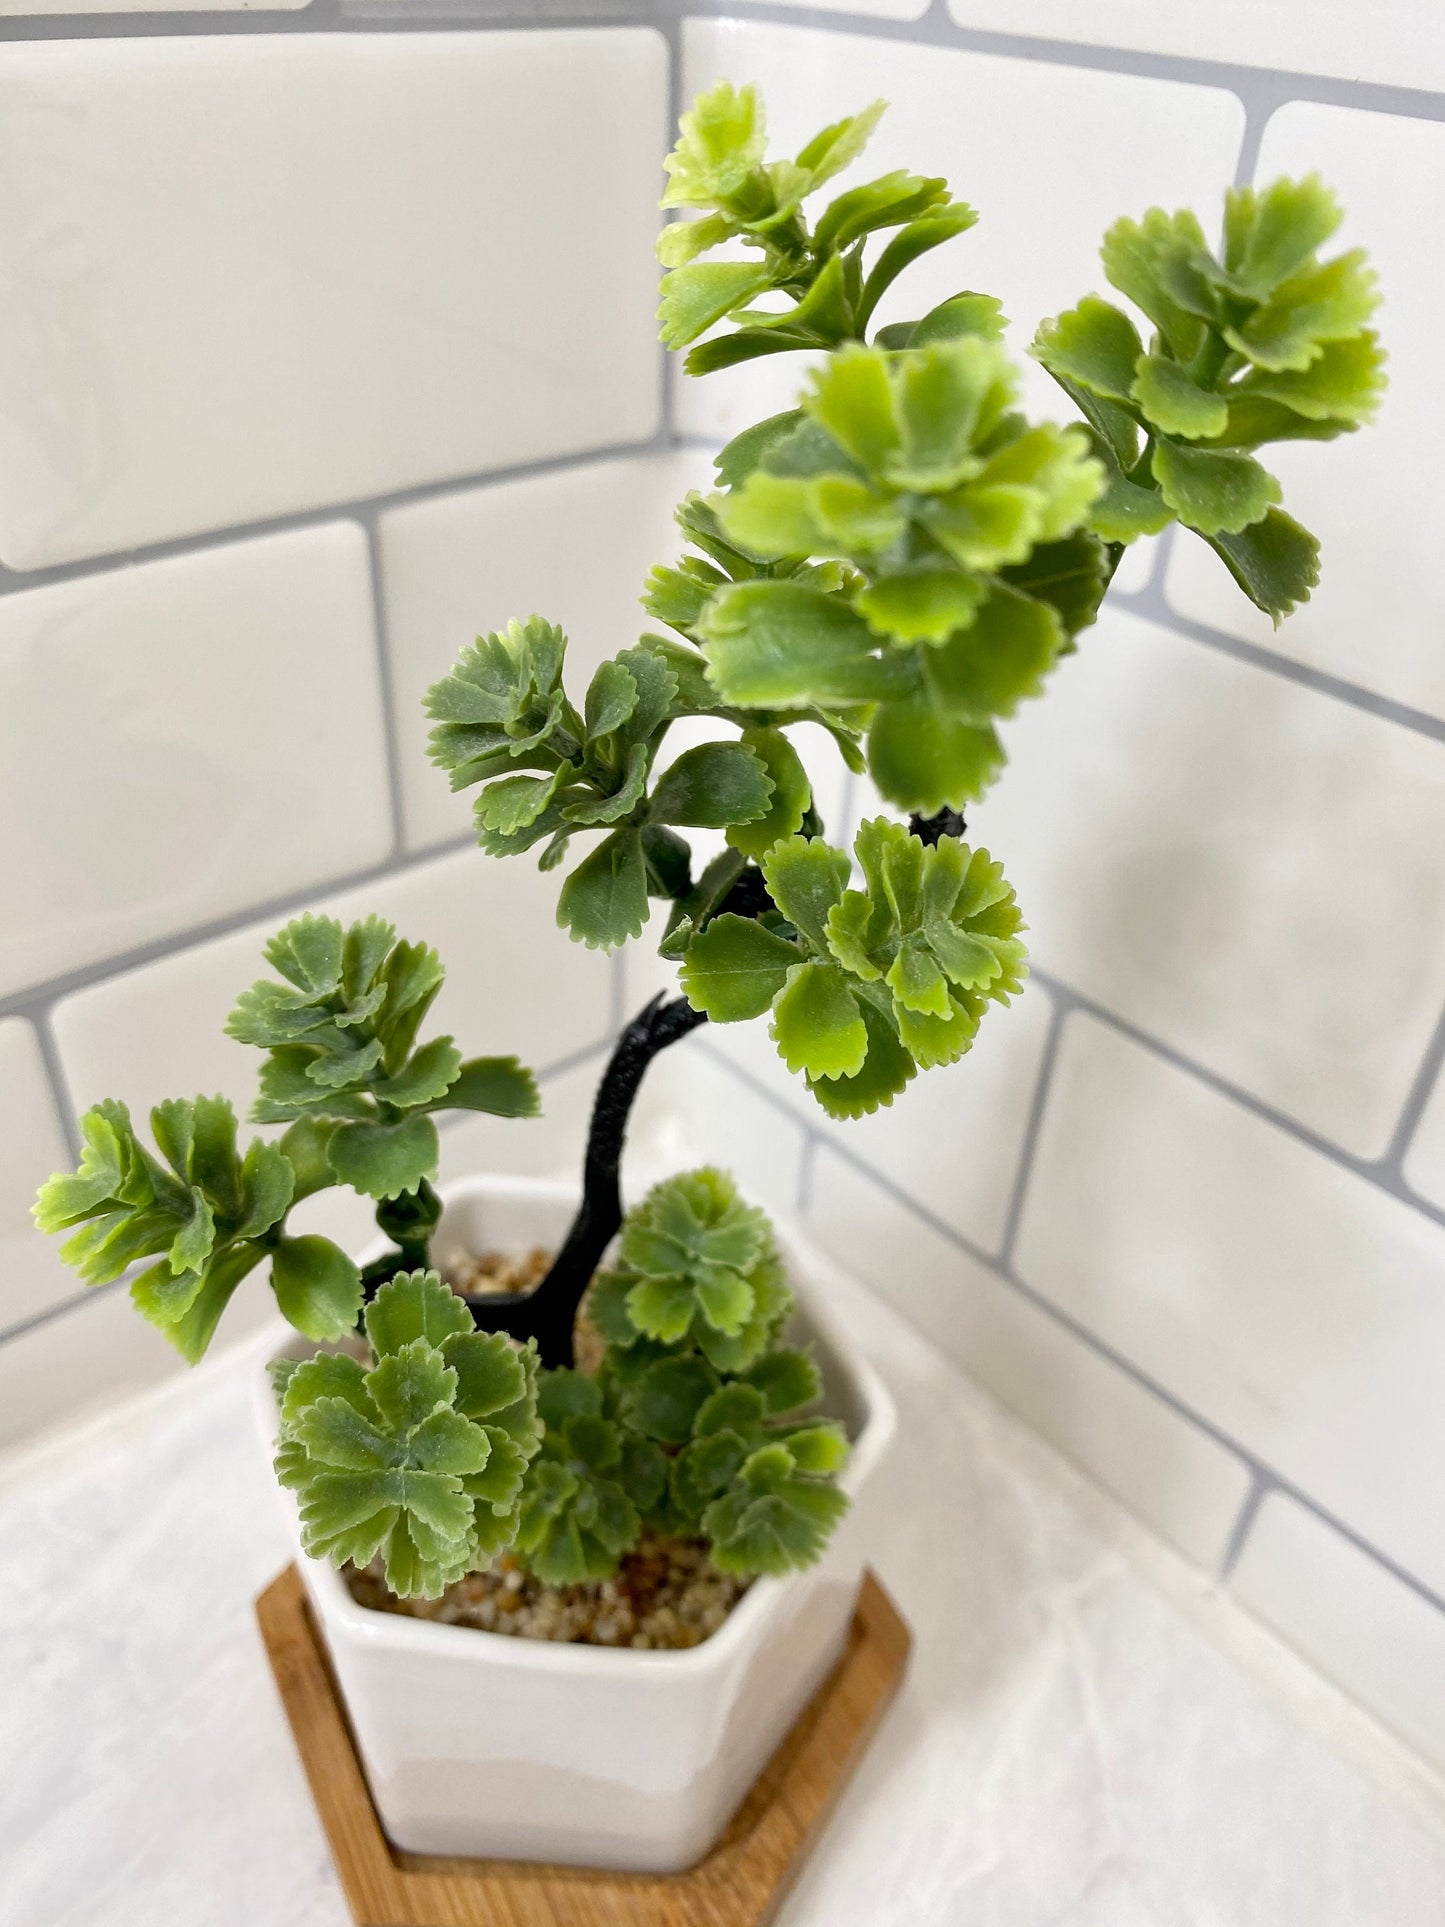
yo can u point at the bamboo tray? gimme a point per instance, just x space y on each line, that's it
741 1883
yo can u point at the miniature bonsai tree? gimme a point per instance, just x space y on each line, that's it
896 563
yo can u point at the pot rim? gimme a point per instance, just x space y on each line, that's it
746 1623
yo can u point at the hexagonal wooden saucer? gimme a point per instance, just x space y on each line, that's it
741 1883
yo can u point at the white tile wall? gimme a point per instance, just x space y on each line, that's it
1247 869
998 128
514 983
1405 42
182 739
1379 612
1174 1475
954 1138
1369 1631
1277 1294
574 546
282 272
32 1145
258 274
9 7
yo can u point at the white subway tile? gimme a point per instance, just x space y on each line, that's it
32 1145
952 1140
182 739
1375 1637
701 1112
1247 869
98 1353
1289 1302
1378 614
514 983
1425 1159
1188 1488
1405 41
574 546
1003 131
436 259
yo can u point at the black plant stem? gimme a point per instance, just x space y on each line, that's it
548 1312
928 829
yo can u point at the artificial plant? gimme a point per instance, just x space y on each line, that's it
896 564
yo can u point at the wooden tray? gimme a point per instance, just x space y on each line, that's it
741 1883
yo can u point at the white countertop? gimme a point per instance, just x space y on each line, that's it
1089 1735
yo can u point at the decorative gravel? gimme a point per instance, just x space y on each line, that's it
665 1596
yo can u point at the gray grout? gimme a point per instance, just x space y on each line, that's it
1260 1487
1038 1103
385 683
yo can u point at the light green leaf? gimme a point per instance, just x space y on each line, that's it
1274 561
806 878
317 1287
791 798
926 762
499 1086
413 1305
696 296
784 645
924 604
817 1025
712 786
1094 344
735 968
1213 490
988 669
384 1160
604 900
1174 404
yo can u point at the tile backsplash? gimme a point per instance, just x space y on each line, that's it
328 342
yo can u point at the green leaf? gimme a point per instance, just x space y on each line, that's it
787 1380
926 762
806 878
922 604
428 1075
317 1287
604 900
817 1025
307 953
774 1519
384 1160
719 144
791 799
1126 511
750 449
668 1396
713 786
1174 404
489 1369
887 1069
916 239
1274 561
413 1305
696 296
1095 345
1212 490
961 317
783 645
852 401
734 968
499 1086
988 669
1069 575
1270 232
840 144
1343 383
1136 256
1323 302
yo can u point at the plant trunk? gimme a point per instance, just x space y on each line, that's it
549 1311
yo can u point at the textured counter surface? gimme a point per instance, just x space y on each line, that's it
1089 1736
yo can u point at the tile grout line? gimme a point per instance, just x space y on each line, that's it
385 681
1261 1485
32 1000
1033 1127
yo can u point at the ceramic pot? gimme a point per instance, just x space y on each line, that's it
479 1744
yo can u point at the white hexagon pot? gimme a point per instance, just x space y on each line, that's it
481 1745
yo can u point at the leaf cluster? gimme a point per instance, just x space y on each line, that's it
417 1455
719 171
206 1211
903 553
1264 342
866 986
550 771
342 1060
692 1423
